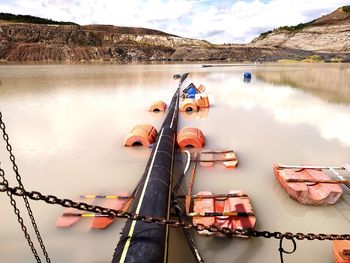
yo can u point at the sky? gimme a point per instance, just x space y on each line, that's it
222 21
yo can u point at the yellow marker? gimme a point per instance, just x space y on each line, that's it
104 196
88 215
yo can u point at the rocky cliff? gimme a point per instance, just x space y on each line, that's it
37 42
330 33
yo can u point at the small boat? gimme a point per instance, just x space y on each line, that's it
234 212
305 192
112 203
341 251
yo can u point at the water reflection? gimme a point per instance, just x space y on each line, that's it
157 114
329 82
292 107
138 152
67 124
201 114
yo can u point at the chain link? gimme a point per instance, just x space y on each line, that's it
18 214
27 205
228 232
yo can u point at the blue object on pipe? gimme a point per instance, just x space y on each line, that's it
191 91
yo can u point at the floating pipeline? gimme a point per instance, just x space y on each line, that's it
142 242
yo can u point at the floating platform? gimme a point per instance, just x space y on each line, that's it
71 215
209 158
304 192
234 212
112 203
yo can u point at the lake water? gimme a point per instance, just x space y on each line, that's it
67 124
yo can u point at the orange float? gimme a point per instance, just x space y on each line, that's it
141 135
192 137
235 212
341 251
188 105
201 88
158 105
202 100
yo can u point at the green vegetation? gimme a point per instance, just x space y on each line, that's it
346 8
312 59
287 28
264 34
295 28
31 19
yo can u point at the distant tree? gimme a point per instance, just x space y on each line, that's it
31 19
346 8
265 34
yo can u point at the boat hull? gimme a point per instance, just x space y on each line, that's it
308 193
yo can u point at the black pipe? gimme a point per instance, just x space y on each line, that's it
144 242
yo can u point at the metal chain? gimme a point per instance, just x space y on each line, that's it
228 232
19 180
19 218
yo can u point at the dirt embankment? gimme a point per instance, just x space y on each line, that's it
62 43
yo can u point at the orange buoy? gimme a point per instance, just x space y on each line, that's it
141 134
341 251
188 105
201 88
158 105
202 100
190 137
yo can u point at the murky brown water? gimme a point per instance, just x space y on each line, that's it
67 124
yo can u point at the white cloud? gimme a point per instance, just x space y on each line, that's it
289 106
244 20
216 21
